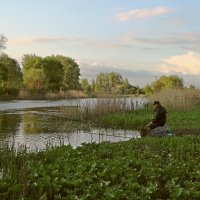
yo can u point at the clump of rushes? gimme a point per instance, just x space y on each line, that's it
101 107
178 99
149 168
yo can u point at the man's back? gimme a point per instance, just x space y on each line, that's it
160 116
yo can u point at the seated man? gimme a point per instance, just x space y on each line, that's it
160 116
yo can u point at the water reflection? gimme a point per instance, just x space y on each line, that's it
9 124
37 127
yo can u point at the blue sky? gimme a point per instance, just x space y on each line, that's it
141 39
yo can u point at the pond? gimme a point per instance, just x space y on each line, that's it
39 123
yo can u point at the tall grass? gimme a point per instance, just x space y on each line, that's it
180 99
92 111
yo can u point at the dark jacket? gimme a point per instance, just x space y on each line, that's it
160 116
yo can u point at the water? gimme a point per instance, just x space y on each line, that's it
37 123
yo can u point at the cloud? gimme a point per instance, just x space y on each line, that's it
140 77
188 64
39 40
189 41
176 21
141 13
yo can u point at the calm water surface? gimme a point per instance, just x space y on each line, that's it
37 123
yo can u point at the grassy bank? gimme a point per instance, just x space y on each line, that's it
182 105
113 114
176 119
150 168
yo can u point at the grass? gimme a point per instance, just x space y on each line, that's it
178 99
181 122
92 111
149 168
182 104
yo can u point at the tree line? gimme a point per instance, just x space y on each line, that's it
60 73
55 73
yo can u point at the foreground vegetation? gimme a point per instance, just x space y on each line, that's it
150 168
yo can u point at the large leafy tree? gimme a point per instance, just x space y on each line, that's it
71 72
42 73
109 82
85 85
10 77
53 72
31 61
34 79
33 72
167 82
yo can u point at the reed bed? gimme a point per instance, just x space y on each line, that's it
180 99
102 107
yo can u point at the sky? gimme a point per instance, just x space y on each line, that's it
141 39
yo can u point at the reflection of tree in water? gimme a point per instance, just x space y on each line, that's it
9 124
34 123
41 123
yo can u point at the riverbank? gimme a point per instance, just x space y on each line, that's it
181 122
149 168
128 115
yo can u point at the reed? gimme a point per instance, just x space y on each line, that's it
93 111
178 99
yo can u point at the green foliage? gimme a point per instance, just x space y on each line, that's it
132 120
10 77
85 85
34 79
150 168
53 72
112 83
30 61
181 122
167 82
148 90
71 72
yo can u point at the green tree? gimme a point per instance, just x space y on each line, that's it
10 75
34 79
33 72
148 90
31 61
3 74
166 82
53 73
102 83
111 83
85 85
71 72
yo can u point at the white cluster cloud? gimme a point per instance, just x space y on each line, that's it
142 13
188 64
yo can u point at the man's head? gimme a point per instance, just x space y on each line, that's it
156 104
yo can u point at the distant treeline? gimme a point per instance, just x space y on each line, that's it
39 76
